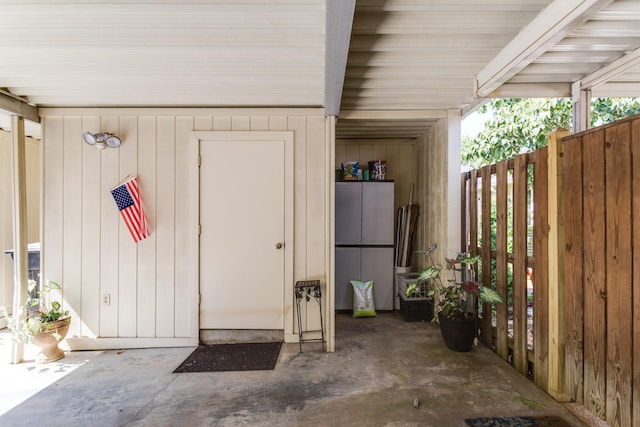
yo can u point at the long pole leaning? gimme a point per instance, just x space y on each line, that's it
20 260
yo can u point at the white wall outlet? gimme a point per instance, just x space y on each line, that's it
106 299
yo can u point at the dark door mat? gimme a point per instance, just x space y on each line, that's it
544 421
232 357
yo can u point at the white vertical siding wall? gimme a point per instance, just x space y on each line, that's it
6 208
153 285
433 190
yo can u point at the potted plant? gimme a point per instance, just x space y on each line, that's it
456 303
45 324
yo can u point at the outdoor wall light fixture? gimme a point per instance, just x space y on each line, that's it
101 140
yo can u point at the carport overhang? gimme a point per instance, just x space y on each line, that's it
549 57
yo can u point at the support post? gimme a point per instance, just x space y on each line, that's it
556 382
330 306
19 227
452 172
581 101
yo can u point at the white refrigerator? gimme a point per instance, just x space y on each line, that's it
364 240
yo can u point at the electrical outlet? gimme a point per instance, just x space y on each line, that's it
106 299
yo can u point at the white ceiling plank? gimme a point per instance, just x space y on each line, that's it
549 26
392 114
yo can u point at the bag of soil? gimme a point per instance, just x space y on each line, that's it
363 304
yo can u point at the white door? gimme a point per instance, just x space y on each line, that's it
242 217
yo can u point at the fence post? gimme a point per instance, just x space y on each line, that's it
556 377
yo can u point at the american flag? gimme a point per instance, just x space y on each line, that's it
127 197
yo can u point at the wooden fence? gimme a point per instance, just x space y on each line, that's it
558 231
498 228
602 270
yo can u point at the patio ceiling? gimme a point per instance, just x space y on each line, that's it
408 63
423 58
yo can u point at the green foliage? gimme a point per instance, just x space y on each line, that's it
459 298
521 125
21 329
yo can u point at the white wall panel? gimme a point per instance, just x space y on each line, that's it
71 278
109 236
186 265
165 226
316 167
147 256
316 198
91 216
259 123
299 126
241 123
203 123
52 207
221 123
153 284
128 250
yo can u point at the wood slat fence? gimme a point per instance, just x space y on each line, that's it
558 231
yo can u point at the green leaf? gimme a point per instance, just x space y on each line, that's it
410 289
490 296
428 273
34 325
51 285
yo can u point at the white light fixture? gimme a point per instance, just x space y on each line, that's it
101 140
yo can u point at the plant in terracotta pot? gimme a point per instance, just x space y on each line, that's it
45 324
456 303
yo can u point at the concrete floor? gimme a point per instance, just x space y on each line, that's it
381 365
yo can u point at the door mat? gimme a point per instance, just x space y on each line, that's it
544 421
232 357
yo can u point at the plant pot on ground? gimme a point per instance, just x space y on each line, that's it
456 303
45 324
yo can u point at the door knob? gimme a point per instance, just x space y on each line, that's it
279 245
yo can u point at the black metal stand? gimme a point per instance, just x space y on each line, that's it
309 289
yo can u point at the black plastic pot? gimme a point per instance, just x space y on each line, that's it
458 334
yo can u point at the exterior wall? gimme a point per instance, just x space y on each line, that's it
153 285
439 187
6 208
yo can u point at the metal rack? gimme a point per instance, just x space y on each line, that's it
308 289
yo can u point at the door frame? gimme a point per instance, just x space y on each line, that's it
280 136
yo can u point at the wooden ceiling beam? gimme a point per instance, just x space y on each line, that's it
14 106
